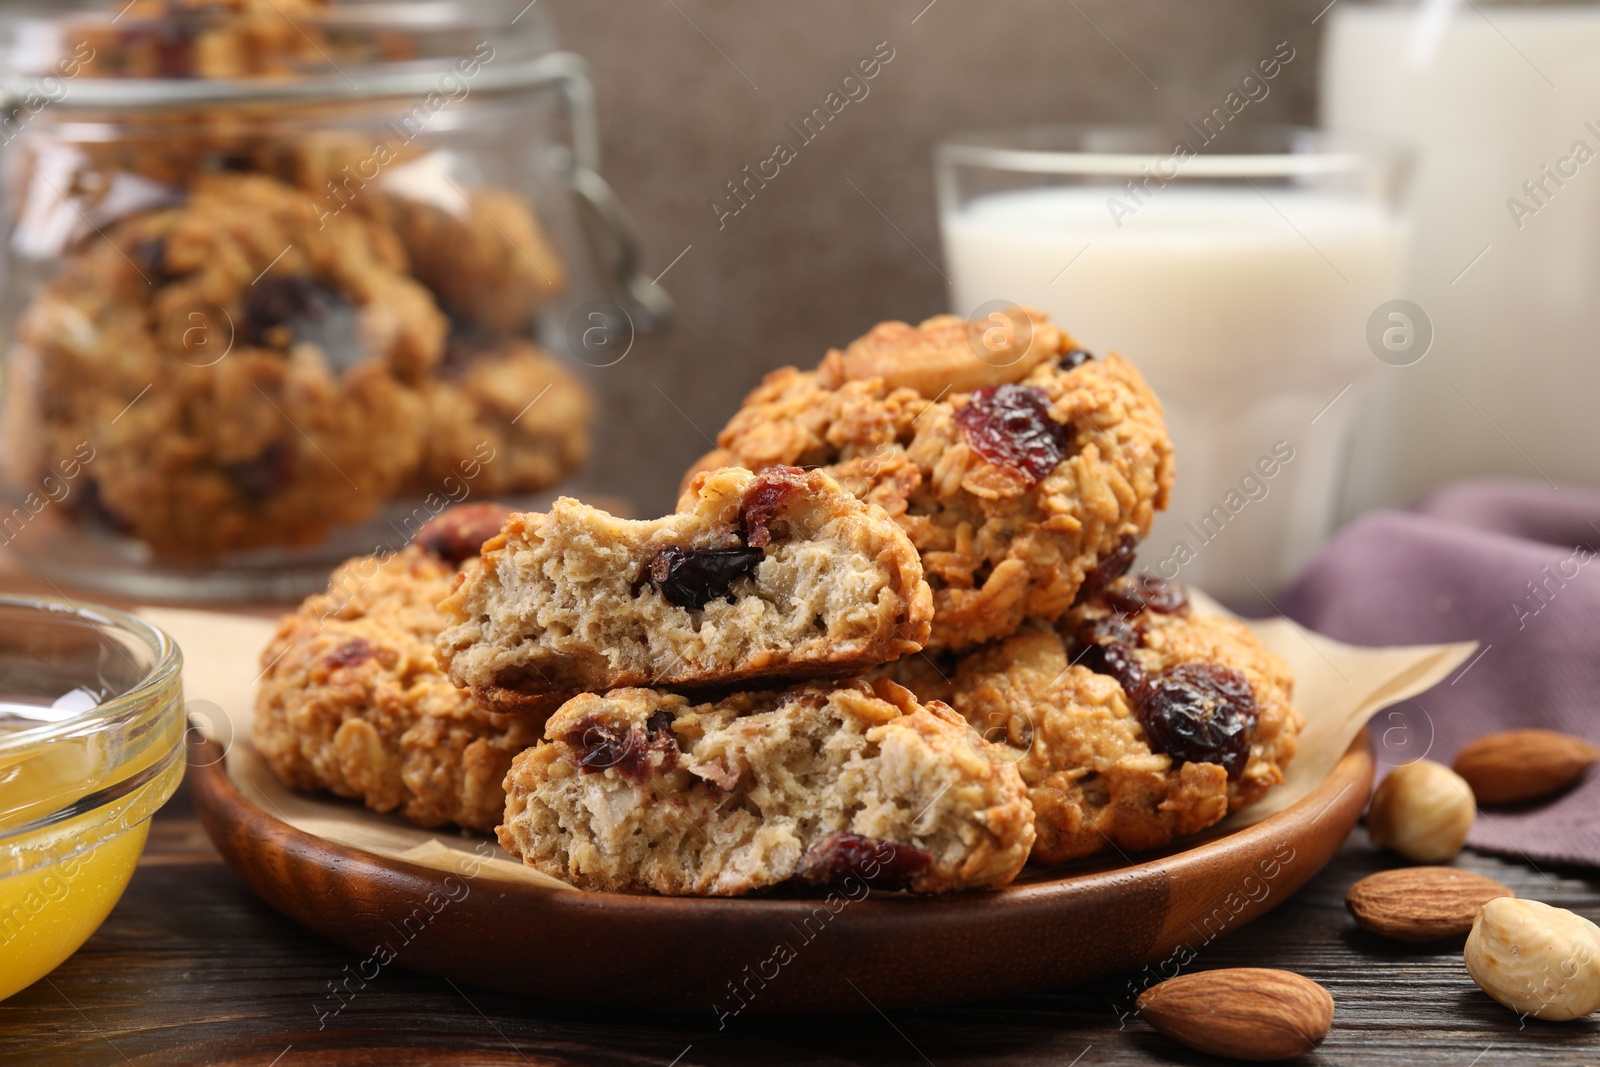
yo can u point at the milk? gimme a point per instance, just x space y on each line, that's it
1495 103
1247 313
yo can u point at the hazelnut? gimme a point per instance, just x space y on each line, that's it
1422 811
1536 959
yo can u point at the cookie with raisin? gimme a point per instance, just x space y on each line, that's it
482 252
1133 721
1024 470
352 702
814 786
247 375
755 579
208 39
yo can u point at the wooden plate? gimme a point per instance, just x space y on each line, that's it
1052 928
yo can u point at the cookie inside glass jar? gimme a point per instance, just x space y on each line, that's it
265 321
244 376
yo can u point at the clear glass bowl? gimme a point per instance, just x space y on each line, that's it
281 282
91 744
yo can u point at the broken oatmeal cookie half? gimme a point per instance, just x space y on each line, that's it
757 578
843 784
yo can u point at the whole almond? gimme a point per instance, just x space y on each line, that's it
1522 765
1246 1013
1421 903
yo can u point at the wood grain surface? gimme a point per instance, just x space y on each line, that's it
193 968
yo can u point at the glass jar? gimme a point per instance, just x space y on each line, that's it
285 278
1499 100
91 744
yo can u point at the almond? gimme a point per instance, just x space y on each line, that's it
1522 765
1245 1013
1421 903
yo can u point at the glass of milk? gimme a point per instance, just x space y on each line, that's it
1238 269
1502 103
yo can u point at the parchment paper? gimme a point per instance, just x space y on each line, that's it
1338 688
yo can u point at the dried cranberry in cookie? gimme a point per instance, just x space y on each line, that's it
1110 567
693 577
456 534
1200 713
1010 426
634 752
878 863
1146 592
1024 471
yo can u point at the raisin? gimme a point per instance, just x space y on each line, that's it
634 752
691 578
151 258
1108 569
880 863
461 351
659 722
268 474
1200 713
295 309
1117 659
458 533
1010 426
1075 358
89 507
1146 592
352 653
766 497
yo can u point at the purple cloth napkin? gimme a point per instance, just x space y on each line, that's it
1511 565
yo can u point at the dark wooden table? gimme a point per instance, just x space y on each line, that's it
192 968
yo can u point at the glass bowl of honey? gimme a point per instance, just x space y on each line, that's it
91 744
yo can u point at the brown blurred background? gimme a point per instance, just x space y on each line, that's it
690 91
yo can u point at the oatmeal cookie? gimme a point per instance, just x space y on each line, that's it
1132 721
1021 494
480 249
756 578
351 700
208 39
246 376
510 401
816 785
481 252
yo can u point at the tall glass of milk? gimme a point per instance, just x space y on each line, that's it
1238 269
1502 103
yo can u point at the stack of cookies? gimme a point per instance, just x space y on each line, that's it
889 633
265 330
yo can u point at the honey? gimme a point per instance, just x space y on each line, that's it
46 914
91 744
